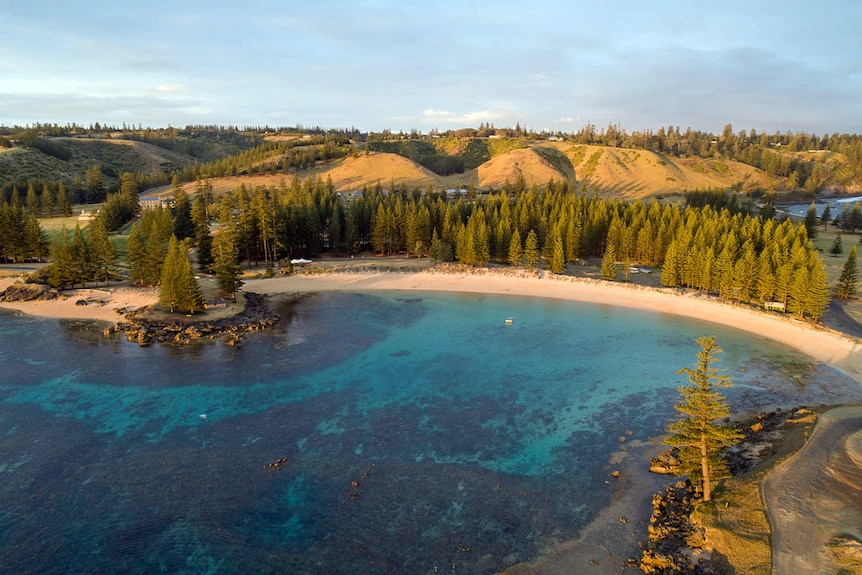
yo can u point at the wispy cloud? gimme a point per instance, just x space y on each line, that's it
170 88
466 119
379 63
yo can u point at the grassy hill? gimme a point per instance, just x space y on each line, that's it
79 154
629 173
616 172
441 163
49 159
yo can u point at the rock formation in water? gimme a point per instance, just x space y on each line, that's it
255 317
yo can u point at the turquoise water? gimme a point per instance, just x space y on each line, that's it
389 433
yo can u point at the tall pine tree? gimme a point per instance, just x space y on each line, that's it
701 441
226 267
180 290
848 282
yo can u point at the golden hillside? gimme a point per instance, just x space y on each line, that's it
535 167
371 168
612 172
630 173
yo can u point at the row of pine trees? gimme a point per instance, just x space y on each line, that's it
738 257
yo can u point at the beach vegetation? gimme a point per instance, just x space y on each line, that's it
516 249
21 236
609 263
227 270
179 289
82 256
147 244
203 238
558 259
102 251
700 440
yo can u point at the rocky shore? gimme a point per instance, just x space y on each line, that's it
256 316
676 542
20 291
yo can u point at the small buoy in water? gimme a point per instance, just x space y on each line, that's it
508 321
203 416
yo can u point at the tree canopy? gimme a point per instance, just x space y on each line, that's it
701 441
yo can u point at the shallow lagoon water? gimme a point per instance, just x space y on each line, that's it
416 431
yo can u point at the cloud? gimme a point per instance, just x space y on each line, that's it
568 120
706 89
170 88
467 119
64 108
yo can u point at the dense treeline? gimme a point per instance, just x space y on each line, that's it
82 256
21 237
738 257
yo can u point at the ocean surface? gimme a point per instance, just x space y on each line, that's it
375 434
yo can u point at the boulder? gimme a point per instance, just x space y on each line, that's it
665 464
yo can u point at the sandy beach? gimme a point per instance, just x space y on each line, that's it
103 302
607 542
820 344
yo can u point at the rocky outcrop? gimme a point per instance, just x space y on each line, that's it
666 463
256 317
675 544
28 292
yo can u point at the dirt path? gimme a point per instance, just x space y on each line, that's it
817 495
837 318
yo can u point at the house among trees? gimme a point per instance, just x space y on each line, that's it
154 202
86 216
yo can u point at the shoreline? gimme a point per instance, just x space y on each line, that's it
604 544
821 344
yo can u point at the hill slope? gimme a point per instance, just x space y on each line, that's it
113 156
639 173
371 168
533 164
616 172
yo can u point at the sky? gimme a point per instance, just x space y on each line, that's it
554 65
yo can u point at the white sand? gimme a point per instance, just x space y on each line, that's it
103 302
821 344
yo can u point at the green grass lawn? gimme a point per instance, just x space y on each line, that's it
54 225
835 263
